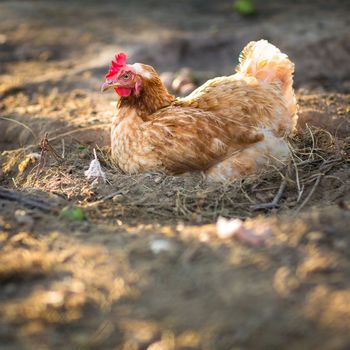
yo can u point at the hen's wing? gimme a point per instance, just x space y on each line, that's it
243 100
187 139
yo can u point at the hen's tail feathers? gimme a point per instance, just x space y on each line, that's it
267 63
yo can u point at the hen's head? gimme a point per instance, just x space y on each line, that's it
126 79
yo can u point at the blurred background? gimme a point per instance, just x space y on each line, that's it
73 41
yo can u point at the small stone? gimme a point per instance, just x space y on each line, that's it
3 39
315 236
204 236
341 244
53 298
117 198
23 218
158 179
161 246
83 155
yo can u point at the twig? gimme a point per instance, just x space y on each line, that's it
313 141
19 197
65 134
14 182
45 146
275 201
300 193
42 159
310 193
53 151
300 189
244 193
63 149
109 196
21 124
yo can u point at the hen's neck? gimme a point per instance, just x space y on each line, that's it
152 97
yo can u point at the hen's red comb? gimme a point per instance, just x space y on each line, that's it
117 65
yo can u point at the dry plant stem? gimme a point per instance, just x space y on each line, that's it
275 201
53 152
23 199
318 179
300 188
21 124
93 204
198 201
72 132
42 159
45 146
63 149
55 138
313 142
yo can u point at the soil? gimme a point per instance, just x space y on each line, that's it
137 263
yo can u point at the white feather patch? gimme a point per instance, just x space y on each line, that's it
141 71
95 172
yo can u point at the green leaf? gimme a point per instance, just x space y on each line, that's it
73 213
245 7
82 148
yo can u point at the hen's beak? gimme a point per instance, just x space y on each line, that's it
107 85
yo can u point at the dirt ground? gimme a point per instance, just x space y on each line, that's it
137 263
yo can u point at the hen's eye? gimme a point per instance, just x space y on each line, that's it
126 76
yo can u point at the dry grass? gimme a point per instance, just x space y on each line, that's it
316 155
318 167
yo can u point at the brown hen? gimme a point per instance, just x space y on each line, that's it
227 128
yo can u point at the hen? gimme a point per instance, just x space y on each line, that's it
227 128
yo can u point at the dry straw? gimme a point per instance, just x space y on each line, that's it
316 156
